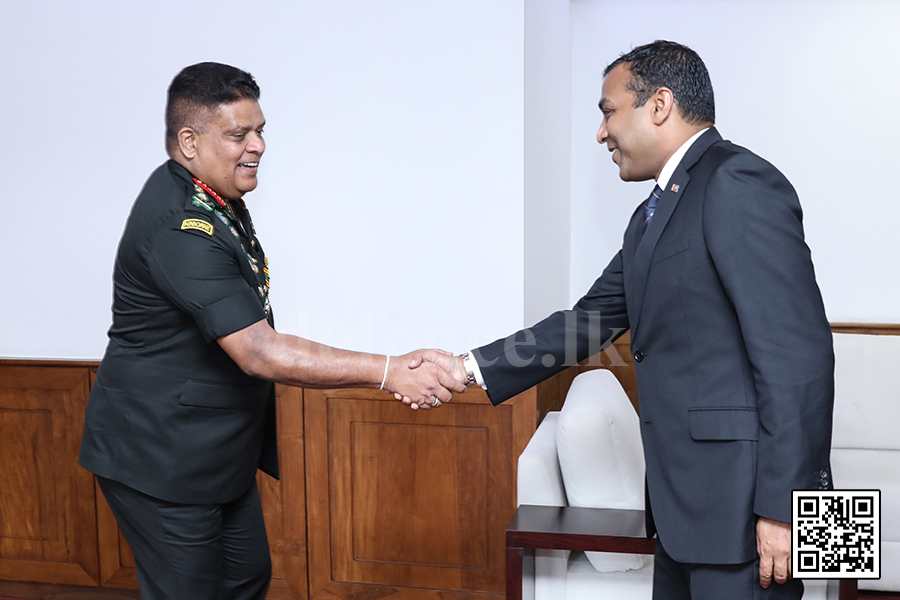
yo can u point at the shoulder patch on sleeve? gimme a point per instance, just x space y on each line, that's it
198 224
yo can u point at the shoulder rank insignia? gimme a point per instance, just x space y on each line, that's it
198 224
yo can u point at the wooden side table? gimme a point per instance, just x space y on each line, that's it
585 529
570 528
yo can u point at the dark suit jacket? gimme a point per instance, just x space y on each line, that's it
170 413
732 349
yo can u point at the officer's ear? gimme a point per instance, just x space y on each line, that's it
188 139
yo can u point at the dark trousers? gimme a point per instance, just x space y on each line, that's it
194 552
673 580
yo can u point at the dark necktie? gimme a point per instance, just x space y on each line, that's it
650 206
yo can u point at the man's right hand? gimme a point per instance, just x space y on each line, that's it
452 365
424 378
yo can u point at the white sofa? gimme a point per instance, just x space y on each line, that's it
589 454
865 446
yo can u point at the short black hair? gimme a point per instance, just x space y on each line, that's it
675 66
198 90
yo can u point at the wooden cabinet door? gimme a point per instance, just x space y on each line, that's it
48 530
410 504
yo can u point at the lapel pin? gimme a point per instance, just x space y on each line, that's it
674 187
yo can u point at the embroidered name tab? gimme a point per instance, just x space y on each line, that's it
198 224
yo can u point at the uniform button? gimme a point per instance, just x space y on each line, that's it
638 356
823 474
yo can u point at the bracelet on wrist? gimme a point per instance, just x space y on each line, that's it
386 365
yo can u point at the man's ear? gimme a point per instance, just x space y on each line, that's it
187 142
663 102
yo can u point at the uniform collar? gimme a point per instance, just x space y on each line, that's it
178 170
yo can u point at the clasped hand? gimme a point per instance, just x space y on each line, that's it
425 378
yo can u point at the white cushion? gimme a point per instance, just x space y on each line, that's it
598 443
890 558
539 481
583 582
875 470
550 577
820 589
866 391
872 470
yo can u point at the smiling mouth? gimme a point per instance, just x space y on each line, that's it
249 165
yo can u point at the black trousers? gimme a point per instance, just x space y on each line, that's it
673 580
194 552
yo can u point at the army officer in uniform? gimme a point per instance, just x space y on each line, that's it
182 411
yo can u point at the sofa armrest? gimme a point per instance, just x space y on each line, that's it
539 480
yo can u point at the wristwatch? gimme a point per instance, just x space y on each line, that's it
470 372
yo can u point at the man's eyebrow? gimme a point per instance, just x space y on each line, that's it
604 104
245 128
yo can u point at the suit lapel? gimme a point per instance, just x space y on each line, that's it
638 259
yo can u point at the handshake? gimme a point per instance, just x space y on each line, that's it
425 378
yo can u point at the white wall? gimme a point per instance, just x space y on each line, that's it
389 125
808 85
548 156
393 191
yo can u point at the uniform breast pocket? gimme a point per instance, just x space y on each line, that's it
217 395
725 423
669 249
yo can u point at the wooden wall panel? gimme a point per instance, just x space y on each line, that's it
56 527
49 530
867 328
410 504
284 501
397 503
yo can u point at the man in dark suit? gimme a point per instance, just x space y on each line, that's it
731 345
182 411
